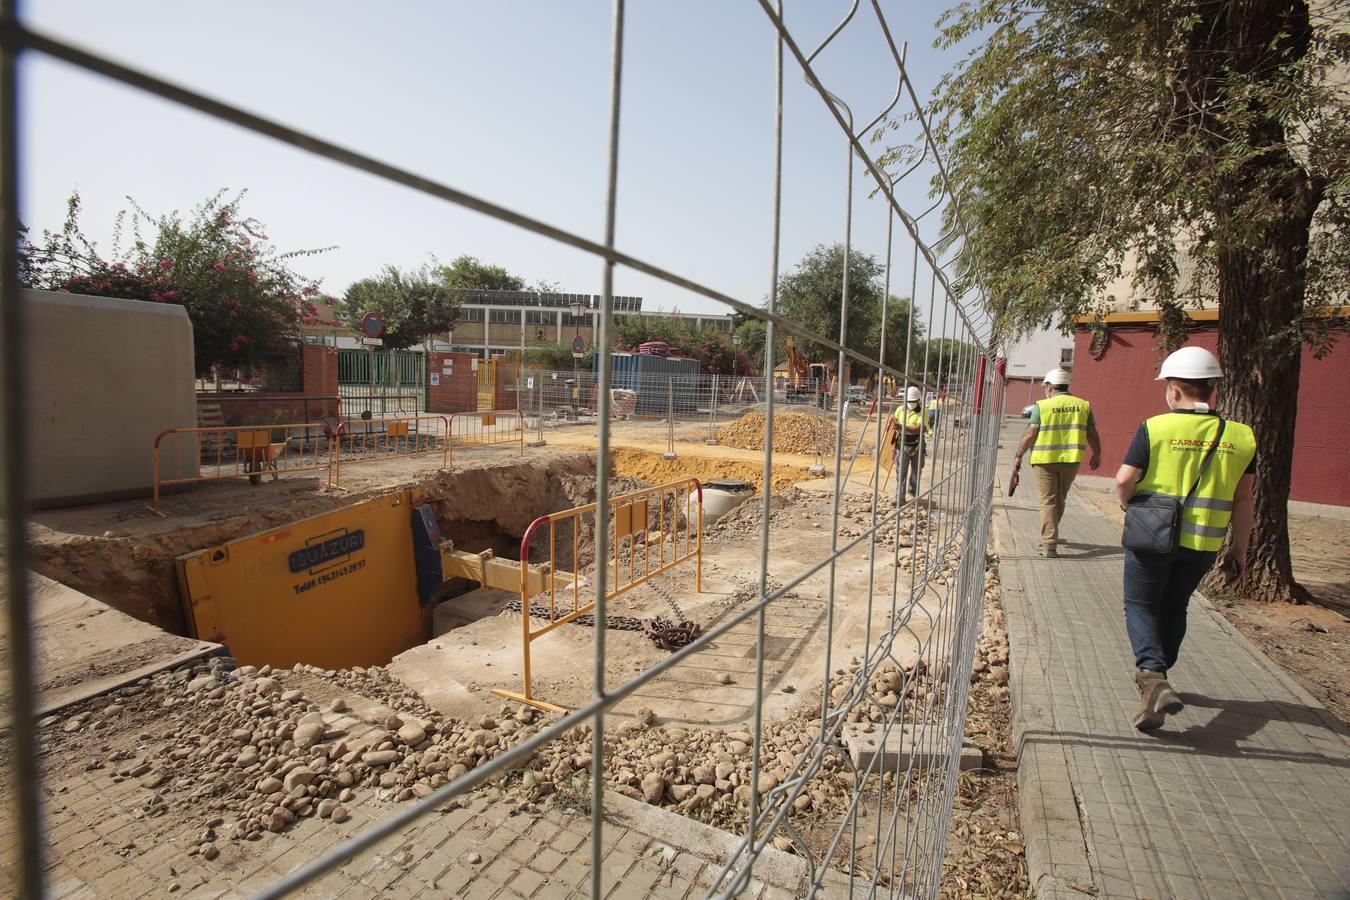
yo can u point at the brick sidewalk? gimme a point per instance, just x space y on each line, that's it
1244 794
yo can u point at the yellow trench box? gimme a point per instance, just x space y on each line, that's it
334 590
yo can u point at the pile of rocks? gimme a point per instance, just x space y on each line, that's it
887 686
244 743
250 751
991 650
702 773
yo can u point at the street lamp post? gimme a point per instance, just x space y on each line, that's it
577 307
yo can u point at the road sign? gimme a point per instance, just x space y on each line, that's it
435 378
372 326
372 342
578 345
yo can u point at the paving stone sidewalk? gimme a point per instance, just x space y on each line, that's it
1244 794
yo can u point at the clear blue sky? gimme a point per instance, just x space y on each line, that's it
505 99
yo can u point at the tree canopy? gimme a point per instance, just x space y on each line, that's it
243 298
467 273
1092 141
1197 147
812 294
414 304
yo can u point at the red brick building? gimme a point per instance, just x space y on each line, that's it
1117 377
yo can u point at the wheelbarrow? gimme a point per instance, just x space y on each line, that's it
259 454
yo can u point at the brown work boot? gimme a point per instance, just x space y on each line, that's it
1168 700
1149 715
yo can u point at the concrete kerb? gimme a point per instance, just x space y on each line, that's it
773 867
1056 846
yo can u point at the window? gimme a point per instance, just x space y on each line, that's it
1065 356
540 317
470 314
570 321
504 316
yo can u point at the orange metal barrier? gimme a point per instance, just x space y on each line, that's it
239 451
487 427
366 440
651 531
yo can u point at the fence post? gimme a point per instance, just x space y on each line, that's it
537 390
711 439
819 468
670 417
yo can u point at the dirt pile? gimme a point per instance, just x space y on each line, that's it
793 432
652 468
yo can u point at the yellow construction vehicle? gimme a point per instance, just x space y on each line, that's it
803 377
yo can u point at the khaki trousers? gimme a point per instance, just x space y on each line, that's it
1053 481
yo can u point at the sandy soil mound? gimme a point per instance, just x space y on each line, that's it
652 468
793 432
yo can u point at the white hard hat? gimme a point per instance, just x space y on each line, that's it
1057 375
1192 364
913 394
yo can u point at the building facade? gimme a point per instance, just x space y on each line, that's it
1118 361
492 322
1030 358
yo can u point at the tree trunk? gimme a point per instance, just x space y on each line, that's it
1261 294
1263 209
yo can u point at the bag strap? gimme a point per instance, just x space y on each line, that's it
1204 464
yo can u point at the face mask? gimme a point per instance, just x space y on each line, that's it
1167 398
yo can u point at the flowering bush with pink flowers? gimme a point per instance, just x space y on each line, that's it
239 291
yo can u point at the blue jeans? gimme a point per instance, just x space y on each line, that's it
1158 588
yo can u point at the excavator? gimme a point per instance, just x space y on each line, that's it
804 377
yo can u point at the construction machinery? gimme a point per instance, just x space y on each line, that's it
803 377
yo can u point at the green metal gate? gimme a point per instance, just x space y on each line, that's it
375 383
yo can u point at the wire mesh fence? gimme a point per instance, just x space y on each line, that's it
887 704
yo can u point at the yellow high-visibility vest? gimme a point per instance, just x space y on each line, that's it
912 424
1063 430
1177 443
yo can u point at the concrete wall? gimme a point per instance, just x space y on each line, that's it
104 378
1122 392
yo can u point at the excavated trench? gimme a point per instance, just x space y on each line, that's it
131 567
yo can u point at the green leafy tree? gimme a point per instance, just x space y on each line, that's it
1091 140
244 300
414 305
467 273
947 360
812 295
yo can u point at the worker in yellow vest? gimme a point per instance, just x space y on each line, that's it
1061 424
1167 456
910 434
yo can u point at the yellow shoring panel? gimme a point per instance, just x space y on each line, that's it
335 590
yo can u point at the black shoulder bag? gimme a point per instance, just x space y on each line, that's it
1153 521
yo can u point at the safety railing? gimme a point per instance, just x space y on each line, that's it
488 427
650 531
375 440
236 451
